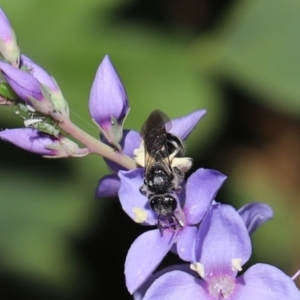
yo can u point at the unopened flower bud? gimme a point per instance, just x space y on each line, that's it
48 84
9 48
27 88
108 104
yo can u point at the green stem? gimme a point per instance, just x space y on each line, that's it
94 145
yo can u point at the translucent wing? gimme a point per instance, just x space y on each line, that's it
154 135
154 131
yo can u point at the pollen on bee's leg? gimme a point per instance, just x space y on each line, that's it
139 155
184 164
140 215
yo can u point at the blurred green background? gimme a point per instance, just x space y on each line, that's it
240 60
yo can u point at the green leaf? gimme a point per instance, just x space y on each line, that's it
257 47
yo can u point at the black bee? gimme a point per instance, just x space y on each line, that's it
165 165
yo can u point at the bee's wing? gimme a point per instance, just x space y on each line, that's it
154 131
154 135
157 159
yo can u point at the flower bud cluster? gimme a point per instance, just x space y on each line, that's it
35 96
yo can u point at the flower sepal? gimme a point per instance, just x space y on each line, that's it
66 148
44 107
113 134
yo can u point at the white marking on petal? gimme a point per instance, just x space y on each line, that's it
199 268
221 287
236 264
140 215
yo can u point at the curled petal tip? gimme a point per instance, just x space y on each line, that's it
183 126
255 214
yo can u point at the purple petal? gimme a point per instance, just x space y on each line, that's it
131 140
185 242
139 294
201 188
8 42
262 281
222 239
23 83
177 285
29 139
38 73
255 214
183 126
108 97
131 198
144 255
108 186
5 26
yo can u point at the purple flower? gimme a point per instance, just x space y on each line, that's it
139 294
250 213
148 250
36 142
108 104
48 83
9 48
109 185
222 247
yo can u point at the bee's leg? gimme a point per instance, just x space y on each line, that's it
172 221
176 223
167 222
184 164
178 178
159 225
143 189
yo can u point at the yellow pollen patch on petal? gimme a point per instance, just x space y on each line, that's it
199 268
236 264
140 215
